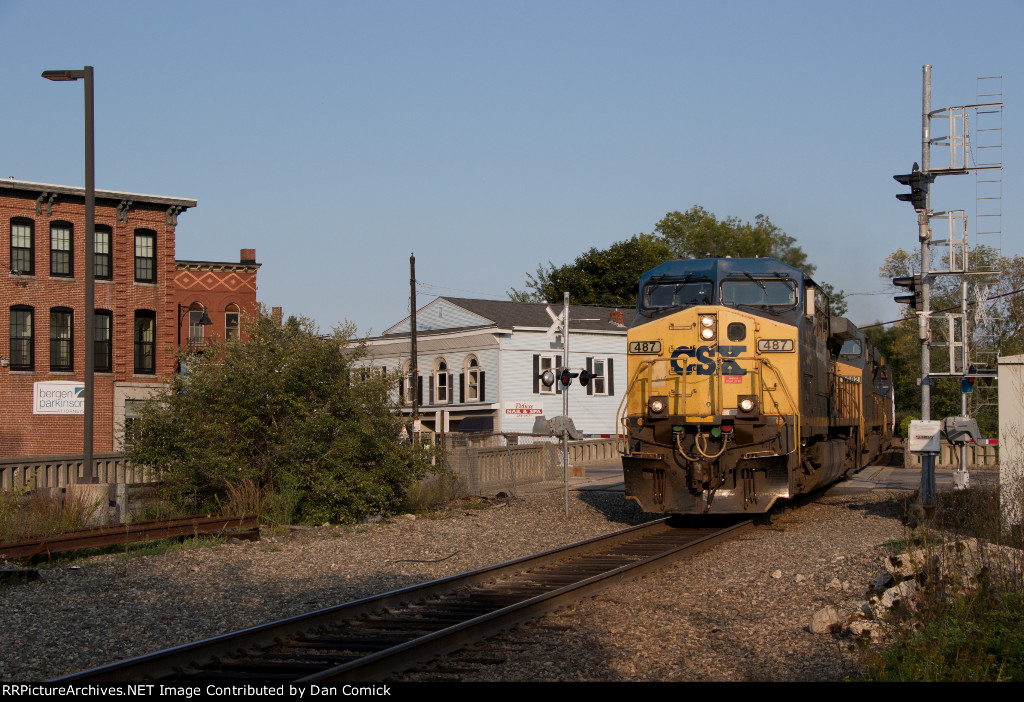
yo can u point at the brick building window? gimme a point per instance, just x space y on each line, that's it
103 355
60 250
231 322
145 341
22 336
61 332
145 256
23 246
103 265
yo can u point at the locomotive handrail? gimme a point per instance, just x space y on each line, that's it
793 405
624 416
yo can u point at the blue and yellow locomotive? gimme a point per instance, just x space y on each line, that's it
743 390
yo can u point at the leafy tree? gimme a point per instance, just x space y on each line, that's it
598 277
288 411
697 233
1001 332
610 276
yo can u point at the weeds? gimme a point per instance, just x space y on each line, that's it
434 491
965 621
37 514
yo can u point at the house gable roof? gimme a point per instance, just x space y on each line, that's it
468 313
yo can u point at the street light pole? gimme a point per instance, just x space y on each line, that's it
88 472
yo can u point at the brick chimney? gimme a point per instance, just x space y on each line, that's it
276 313
248 256
617 317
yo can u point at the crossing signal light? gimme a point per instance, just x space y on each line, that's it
548 378
585 377
918 183
566 377
913 284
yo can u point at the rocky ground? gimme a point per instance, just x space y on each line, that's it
738 612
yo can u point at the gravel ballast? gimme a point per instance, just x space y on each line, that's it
737 612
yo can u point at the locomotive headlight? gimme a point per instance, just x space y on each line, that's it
657 405
747 403
707 327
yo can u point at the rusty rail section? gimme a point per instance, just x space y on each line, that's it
149 530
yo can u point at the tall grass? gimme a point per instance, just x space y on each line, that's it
36 514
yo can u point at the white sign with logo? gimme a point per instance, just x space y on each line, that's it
524 409
58 397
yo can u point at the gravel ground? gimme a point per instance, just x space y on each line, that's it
739 612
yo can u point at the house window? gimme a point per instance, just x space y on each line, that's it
231 322
60 249
442 383
103 354
601 383
541 364
145 256
145 341
23 247
22 357
102 263
61 329
472 377
407 384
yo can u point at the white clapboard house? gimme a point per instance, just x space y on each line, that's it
479 362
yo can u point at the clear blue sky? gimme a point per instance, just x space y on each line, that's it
339 137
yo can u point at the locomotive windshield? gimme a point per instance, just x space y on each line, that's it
678 293
757 292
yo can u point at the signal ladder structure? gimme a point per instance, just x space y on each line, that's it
952 330
987 150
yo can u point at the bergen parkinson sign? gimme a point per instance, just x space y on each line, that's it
58 397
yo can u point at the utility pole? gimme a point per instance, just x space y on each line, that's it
414 371
565 400
924 235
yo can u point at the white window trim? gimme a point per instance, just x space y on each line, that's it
601 377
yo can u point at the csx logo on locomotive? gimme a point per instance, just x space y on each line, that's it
706 364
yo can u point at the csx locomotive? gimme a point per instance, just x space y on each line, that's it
743 390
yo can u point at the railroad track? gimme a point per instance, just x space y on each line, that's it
375 637
149 530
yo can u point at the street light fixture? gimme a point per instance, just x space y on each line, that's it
204 320
88 470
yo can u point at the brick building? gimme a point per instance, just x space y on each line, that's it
139 290
226 292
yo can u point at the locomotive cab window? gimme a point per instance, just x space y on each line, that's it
851 347
759 293
678 293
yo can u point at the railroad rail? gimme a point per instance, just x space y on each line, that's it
372 638
148 530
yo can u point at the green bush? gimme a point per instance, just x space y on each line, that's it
290 416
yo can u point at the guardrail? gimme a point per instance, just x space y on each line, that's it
63 470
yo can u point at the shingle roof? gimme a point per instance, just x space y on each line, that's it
506 313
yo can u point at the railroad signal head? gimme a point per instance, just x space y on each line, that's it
918 183
585 377
566 377
548 378
913 284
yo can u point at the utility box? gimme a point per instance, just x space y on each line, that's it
924 436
